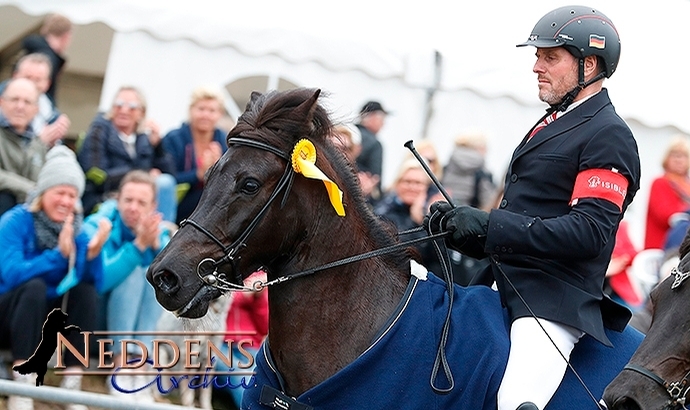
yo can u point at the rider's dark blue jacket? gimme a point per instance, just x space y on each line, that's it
555 251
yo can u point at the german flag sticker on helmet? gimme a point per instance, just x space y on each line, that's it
597 41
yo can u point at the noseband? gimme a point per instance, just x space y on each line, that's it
220 280
678 391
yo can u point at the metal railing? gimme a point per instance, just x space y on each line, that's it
60 395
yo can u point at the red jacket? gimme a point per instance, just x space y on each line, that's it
619 281
248 317
664 201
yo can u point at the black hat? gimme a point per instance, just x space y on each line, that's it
372 106
583 31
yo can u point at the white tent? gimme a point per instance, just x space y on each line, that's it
383 50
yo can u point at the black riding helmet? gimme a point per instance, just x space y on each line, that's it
583 31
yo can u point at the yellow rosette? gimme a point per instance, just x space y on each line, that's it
303 162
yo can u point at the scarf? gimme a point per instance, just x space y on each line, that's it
47 230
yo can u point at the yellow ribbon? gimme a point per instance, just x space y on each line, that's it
303 162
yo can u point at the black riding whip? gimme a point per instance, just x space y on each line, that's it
409 144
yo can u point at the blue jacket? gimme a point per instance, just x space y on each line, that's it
394 372
105 160
23 261
120 255
179 144
553 249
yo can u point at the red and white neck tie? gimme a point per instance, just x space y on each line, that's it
548 120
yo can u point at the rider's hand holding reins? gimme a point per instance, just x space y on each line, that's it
464 221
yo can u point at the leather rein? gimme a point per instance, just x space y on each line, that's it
220 280
207 269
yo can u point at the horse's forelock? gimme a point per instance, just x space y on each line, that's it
282 118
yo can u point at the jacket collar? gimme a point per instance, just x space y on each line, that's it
28 134
566 122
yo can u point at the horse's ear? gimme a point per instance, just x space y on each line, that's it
253 98
307 108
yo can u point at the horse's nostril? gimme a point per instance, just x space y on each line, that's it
166 281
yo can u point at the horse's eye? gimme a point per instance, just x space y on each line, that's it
250 186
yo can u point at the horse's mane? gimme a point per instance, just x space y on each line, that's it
283 118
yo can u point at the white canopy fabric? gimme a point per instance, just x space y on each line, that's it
384 49
387 39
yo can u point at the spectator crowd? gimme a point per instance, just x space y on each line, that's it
79 227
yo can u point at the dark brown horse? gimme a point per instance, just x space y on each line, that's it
288 238
658 375
266 206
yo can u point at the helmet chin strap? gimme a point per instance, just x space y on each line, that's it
581 85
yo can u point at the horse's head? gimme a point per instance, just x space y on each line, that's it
658 374
258 208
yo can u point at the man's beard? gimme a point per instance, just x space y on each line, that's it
567 84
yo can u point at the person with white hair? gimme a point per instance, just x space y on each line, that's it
122 140
21 154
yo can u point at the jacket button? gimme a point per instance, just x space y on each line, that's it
513 178
497 248
503 249
504 203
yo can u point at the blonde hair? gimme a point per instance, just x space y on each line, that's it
426 145
56 24
36 204
471 139
406 165
206 93
679 143
136 91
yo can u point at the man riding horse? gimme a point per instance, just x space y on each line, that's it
568 185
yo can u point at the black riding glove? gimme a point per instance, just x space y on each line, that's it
435 220
464 221
468 222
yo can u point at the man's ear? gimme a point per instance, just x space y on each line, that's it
592 66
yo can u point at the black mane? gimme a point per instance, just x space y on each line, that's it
281 119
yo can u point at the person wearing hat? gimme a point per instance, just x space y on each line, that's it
568 185
41 244
372 116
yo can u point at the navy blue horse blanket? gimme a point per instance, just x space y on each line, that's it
394 373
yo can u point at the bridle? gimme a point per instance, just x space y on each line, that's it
220 280
678 390
207 269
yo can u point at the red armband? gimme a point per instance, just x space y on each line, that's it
600 183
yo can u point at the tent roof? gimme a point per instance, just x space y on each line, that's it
387 39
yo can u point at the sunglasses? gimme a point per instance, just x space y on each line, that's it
131 105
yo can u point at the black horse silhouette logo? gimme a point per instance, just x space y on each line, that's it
38 362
